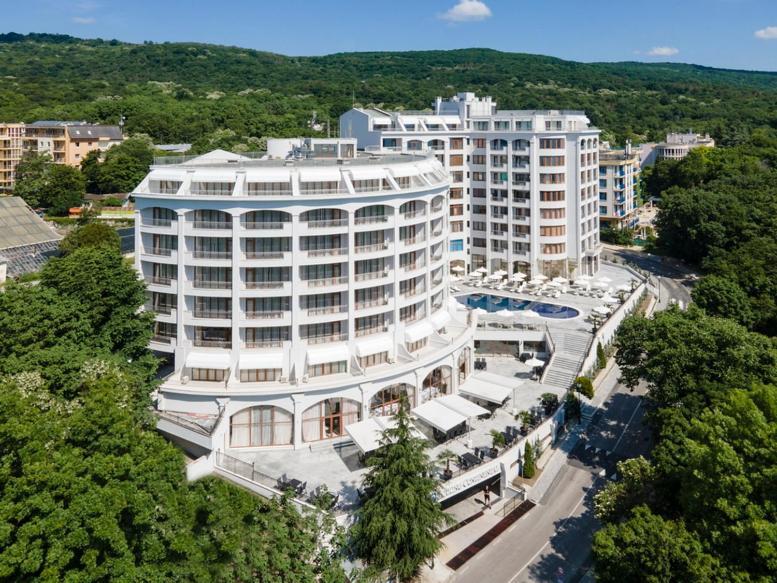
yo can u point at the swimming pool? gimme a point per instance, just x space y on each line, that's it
491 303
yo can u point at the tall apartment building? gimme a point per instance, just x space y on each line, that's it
11 148
68 142
298 294
619 172
524 184
677 146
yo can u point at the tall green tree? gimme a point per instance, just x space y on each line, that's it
31 177
63 189
397 526
91 235
722 297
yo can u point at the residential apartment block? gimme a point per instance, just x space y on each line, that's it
524 184
68 142
11 142
619 172
677 146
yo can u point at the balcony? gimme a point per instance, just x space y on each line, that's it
266 315
264 225
371 220
411 293
156 280
372 303
413 240
210 284
165 310
372 248
264 254
213 314
327 281
333 251
322 310
326 338
219 225
263 343
413 214
327 224
212 254
413 266
162 339
200 343
157 223
370 275
160 251
360 332
264 284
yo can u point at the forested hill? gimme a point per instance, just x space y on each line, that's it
190 92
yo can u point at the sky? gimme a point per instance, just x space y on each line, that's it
740 34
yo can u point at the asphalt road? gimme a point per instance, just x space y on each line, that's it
557 533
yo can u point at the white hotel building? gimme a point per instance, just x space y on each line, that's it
297 294
524 184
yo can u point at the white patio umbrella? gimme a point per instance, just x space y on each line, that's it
482 270
534 362
553 284
494 277
457 269
500 272
476 274
541 277
535 282
505 314
519 275
602 310
516 277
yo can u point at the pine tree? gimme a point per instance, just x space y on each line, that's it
601 357
528 462
397 526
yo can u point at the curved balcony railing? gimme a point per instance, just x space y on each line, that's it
212 254
266 314
371 220
213 224
321 310
326 338
327 252
211 284
370 275
327 281
264 254
264 284
327 223
264 225
371 248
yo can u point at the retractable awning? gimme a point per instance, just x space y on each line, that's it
319 175
439 416
328 353
261 360
440 319
173 175
215 360
269 175
463 406
367 172
375 345
418 331
500 380
479 389
365 434
404 170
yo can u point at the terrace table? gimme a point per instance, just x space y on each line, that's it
471 459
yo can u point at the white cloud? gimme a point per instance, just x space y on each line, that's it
467 11
84 20
663 51
768 33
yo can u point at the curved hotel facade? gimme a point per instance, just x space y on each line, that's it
299 294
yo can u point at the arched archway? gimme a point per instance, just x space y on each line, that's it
386 401
328 419
437 383
261 426
415 145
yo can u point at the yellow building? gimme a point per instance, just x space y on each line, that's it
68 142
11 148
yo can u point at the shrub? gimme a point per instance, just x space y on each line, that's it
549 402
529 468
584 386
601 358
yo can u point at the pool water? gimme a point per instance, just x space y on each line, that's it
491 303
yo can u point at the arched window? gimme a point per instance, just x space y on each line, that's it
464 369
261 426
265 219
415 145
159 217
212 219
436 383
329 418
386 401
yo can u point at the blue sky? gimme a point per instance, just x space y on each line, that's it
722 33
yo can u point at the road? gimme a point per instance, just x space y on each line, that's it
557 533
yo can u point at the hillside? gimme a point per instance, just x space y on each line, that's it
188 92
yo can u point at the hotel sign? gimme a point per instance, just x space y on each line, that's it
473 478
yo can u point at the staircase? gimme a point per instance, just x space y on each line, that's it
564 368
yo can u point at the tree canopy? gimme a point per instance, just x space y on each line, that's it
41 183
90 235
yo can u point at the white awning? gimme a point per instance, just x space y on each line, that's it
367 172
405 170
374 345
365 434
440 319
418 331
319 175
328 353
217 360
261 360
174 175
463 406
439 416
480 389
204 176
269 175
497 379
